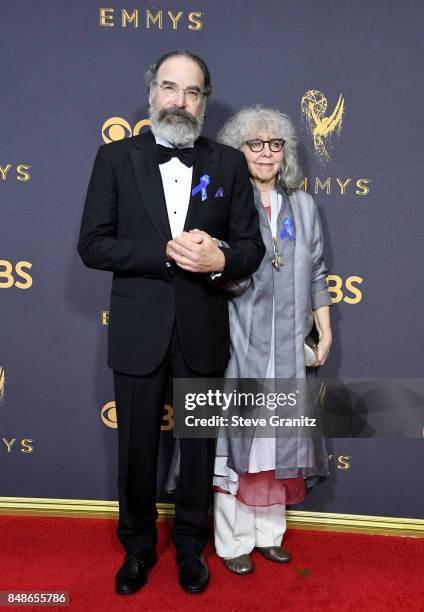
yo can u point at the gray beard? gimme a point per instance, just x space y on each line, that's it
177 126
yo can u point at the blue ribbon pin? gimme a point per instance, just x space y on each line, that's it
288 229
204 182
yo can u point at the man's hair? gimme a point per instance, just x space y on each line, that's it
152 72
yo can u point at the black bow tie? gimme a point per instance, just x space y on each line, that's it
186 156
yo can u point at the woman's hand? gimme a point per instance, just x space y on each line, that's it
322 323
323 346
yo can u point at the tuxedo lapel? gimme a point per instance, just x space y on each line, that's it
149 181
207 159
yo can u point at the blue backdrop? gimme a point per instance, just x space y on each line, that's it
73 78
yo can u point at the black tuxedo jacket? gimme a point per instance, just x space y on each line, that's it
125 229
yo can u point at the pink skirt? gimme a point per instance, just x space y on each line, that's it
264 489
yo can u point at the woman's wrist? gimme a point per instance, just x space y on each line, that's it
325 334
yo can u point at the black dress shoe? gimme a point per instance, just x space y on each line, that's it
132 575
194 573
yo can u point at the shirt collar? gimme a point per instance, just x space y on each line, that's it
165 143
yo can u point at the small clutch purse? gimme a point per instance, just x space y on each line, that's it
311 351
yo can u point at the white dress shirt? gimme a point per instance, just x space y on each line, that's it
176 181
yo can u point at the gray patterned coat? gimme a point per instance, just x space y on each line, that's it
298 288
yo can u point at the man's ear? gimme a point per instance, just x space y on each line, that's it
151 93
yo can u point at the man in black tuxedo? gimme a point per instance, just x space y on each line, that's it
157 206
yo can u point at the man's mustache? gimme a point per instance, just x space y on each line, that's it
168 113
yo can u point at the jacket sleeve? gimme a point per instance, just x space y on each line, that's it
235 287
319 291
98 245
246 248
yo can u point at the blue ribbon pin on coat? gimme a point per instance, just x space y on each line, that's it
288 229
204 182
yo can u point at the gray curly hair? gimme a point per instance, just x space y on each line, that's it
248 122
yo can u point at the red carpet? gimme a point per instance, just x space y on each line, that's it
329 571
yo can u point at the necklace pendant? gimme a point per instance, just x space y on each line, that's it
277 260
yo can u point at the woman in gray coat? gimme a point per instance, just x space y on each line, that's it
271 314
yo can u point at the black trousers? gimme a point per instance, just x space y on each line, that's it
140 405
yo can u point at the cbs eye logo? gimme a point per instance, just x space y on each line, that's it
10 274
110 419
117 128
108 415
350 293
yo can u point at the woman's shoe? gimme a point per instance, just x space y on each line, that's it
275 553
239 565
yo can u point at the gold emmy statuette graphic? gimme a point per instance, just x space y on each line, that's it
117 128
2 383
314 106
108 414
